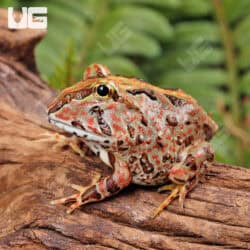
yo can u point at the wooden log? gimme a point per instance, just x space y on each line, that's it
33 172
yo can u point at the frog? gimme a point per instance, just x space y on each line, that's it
147 135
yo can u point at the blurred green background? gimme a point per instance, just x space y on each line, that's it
201 46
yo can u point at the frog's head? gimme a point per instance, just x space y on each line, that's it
98 108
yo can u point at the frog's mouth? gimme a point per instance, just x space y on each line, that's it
86 135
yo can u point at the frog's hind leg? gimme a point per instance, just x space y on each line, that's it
186 174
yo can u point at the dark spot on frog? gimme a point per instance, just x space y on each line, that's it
77 124
167 157
210 157
144 121
148 92
115 96
132 159
147 166
111 185
121 146
193 167
179 140
171 120
95 195
188 140
209 154
178 102
159 142
139 139
156 175
190 162
111 159
105 128
90 153
131 131
208 132
95 109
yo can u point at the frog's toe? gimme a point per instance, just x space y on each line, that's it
78 197
65 200
182 196
175 193
61 141
75 198
73 207
168 187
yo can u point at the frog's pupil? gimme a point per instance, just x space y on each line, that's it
102 90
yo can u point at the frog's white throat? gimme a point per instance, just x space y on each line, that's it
86 135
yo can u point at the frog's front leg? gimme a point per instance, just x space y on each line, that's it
186 174
60 141
100 189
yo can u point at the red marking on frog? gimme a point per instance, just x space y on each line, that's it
90 121
117 128
178 171
63 116
115 118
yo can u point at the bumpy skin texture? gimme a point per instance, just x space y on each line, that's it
148 135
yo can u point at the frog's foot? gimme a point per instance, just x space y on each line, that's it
77 198
176 190
62 141
186 174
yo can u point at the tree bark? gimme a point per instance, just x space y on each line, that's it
33 172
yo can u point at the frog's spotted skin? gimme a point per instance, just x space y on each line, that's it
148 135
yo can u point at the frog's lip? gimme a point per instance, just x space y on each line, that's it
88 136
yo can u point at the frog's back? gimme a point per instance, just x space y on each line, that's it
193 111
181 109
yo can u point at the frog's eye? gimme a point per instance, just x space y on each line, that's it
103 90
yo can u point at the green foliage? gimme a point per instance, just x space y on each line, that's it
103 31
171 43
